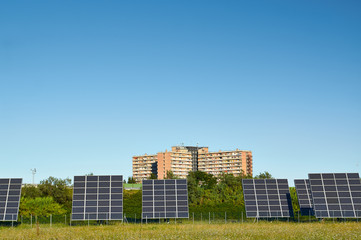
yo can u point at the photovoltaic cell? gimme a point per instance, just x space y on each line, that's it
267 198
10 191
166 198
98 198
304 196
336 195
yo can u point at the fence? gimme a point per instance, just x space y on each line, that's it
194 218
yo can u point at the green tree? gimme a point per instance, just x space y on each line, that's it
131 180
294 199
58 189
153 176
170 175
30 191
40 206
264 175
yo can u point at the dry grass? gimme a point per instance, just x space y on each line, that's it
261 230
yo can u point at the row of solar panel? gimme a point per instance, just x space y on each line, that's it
11 181
147 199
167 203
97 216
97 184
97 209
165 215
164 187
165 182
81 191
97 203
115 178
162 192
102 196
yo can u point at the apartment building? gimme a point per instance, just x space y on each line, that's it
234 162
183 159
144 166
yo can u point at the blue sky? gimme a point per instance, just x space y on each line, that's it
86 85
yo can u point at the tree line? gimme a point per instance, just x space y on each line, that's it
206 193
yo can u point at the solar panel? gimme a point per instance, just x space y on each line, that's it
10 191
267 198
304 196
336 195
166 198
98 198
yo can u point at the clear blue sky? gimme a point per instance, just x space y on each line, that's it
86 85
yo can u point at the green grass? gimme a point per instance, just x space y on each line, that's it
261 230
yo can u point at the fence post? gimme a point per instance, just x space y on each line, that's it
88 219
135 217
209 222
21 219
242 216
298 217
146 219
225 217
51 219
12 220
213 216
65 219
31 220
193 218
201 217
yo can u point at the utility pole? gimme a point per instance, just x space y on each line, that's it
33 171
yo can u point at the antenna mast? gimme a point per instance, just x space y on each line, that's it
33 171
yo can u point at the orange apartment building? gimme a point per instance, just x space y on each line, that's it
216 163
183 159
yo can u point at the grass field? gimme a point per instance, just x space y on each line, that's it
261 230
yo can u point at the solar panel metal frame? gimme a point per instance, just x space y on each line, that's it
267 198
304 196
177 198
10 192
336 195
99 192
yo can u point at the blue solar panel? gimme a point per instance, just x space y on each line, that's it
267 198
10 192
97 198
165 199
304 196
336 195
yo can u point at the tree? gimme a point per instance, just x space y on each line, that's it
30 191
153 176
58 189
40 206
294 199
265 175
170 175
131 180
